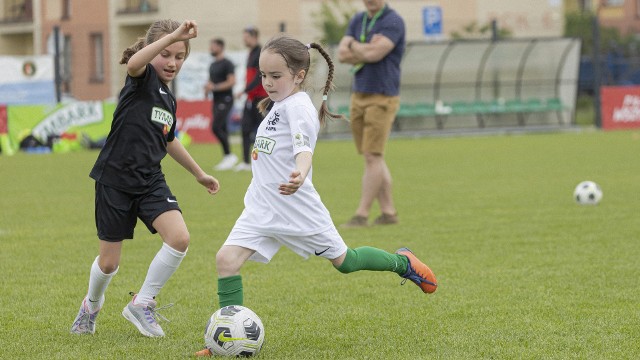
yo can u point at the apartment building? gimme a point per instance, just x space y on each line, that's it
93 33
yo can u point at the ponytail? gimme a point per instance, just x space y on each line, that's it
323 113
128 52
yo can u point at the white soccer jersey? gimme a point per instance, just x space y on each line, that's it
290 127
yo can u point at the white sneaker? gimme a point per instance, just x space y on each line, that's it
242 166
227 162
145 317
85 322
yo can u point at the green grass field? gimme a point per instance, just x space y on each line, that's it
524 272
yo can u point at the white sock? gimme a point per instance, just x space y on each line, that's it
98 282
162 267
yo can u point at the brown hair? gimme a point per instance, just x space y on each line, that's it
296 56
218 41
157 30
252 31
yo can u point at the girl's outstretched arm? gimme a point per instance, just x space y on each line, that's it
182 157
138 61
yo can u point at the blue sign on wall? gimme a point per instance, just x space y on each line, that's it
432 20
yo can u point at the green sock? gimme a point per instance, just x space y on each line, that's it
370 258
230 290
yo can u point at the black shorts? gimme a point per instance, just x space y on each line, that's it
117 211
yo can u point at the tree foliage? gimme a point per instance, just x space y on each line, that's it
333 19
580 25
473 30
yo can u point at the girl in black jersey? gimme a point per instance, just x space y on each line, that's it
129 180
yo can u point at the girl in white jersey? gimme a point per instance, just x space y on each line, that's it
282 207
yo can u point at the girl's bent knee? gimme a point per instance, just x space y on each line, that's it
225 265
180 242
108 268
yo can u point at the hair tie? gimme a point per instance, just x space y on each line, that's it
308 46
324 97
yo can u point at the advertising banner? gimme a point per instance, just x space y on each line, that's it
620 107
42 122
3 119
194 118
27 80
92 121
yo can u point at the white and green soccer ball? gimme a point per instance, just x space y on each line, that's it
587 193
234 331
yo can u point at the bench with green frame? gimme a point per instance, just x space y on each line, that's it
471 108
480 108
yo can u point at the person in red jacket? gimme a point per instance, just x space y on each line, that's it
251 116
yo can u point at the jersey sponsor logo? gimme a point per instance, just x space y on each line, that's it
162 116
300 140
264 144
272 121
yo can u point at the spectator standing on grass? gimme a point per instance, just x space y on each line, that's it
282 181
255 93
222 78
129 179
373 44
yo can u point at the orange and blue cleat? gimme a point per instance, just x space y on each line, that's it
418 272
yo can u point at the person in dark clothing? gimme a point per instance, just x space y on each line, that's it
221 81
129 182
251 116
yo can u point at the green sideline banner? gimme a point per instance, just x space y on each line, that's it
92 118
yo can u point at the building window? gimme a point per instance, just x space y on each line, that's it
16 11
613 2
585 5
97 58
66 9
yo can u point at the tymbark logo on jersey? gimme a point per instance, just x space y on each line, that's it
163 117
262 144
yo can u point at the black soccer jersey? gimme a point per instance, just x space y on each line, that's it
218 72
143 122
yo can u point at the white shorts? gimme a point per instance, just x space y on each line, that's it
328 244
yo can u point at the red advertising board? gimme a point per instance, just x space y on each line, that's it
194 118
620 107
3 119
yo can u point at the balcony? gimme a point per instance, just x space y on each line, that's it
137 6
16 12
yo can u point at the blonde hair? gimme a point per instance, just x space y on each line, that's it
157 30
296 56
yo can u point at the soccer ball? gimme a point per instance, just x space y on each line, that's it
234 331
587 193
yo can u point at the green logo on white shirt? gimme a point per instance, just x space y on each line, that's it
264 144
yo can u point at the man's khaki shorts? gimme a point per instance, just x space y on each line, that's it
372 116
